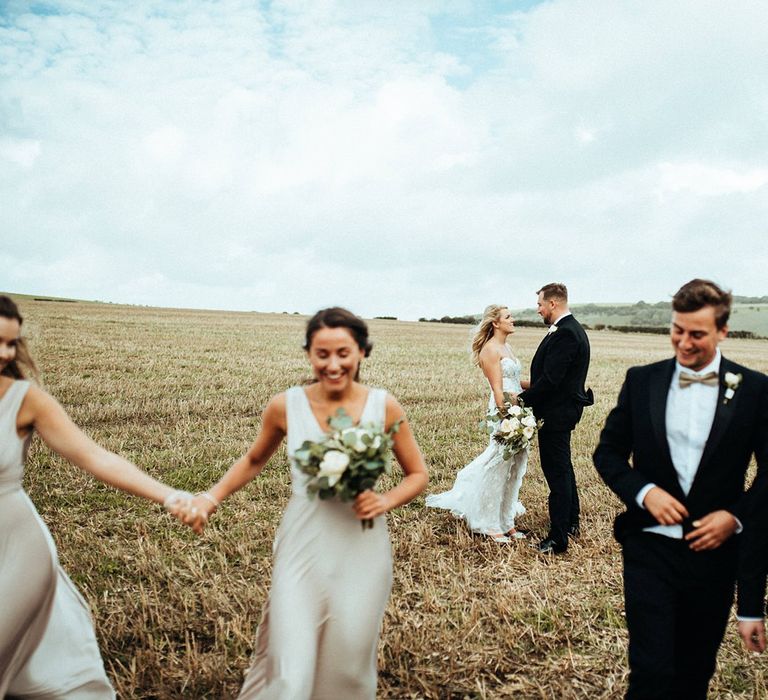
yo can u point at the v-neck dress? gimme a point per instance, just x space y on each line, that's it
330 585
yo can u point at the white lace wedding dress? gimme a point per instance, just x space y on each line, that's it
486 491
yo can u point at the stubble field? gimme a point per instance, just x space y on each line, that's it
181 393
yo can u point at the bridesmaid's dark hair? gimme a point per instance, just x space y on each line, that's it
23 359
337 317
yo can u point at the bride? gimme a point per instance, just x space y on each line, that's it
485 493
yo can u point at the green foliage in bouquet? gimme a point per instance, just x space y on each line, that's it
514 428
348 460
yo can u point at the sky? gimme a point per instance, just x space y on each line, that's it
406 158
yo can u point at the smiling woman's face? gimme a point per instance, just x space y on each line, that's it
335 357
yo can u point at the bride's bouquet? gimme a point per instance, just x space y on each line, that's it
348 460
514 428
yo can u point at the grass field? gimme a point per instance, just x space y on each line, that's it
180 393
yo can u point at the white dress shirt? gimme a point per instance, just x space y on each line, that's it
689 416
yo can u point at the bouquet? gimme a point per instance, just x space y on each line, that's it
514 428
348 460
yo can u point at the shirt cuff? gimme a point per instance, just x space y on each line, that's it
643 492
741 618
739 526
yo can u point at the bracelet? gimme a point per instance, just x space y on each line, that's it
174 497
208 497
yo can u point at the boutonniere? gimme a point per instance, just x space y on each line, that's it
552 329
732 382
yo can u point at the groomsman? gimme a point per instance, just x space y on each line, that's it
557 396
690 425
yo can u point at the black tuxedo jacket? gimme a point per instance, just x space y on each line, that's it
558 372
637 427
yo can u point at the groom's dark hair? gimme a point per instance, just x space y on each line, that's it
554 290
698 293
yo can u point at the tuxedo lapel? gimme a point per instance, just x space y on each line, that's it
538 355
723 414
658 390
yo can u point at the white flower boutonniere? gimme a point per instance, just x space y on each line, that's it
732 382
552 329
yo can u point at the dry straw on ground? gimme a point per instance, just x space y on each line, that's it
180 393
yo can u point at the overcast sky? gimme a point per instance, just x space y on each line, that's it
408 158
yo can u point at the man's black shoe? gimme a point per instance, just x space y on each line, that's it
550 546
574 530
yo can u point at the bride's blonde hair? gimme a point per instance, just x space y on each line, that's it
484 330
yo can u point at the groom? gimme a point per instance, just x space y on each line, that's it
557 395
690 425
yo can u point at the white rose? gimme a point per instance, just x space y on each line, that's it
515 423
515 410
528 433
333 465
529 421
732 380
505 426
358 445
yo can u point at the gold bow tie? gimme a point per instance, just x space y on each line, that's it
686 379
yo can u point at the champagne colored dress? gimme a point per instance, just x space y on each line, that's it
330 585
48 648
486 493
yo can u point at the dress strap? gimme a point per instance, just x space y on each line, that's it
293 408
377 407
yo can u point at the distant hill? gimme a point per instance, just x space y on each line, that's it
748 317
749 314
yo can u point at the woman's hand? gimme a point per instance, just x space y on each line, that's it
369 505
196 511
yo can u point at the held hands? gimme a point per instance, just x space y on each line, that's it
753 635
197 511
191 510
176 501
370 504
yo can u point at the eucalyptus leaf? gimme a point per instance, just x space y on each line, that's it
340 420
350 439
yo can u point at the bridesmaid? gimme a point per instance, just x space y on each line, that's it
331 579
48 647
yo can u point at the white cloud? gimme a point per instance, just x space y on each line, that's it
405 158
165 144
709 180
21 152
